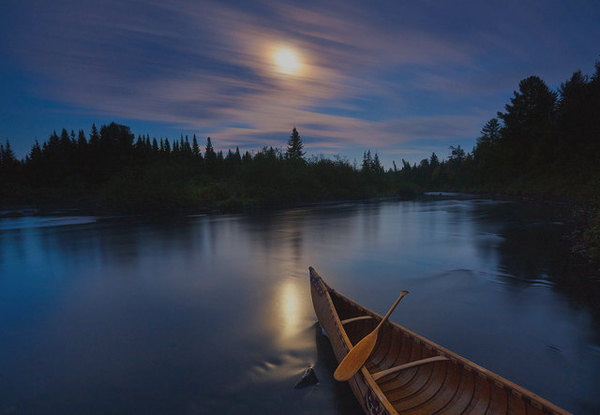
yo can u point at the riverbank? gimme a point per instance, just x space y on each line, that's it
583 218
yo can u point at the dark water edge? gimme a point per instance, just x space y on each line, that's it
582 214
575 213
569 209
166 211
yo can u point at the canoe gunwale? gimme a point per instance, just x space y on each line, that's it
453 358
366 375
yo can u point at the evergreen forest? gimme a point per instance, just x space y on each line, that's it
113 170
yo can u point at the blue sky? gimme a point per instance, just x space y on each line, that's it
403 78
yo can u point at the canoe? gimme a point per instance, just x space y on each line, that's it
409 374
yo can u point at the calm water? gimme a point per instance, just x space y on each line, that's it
212 314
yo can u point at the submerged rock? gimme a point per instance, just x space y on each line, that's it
321 329
308 378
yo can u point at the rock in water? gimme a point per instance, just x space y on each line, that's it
308 378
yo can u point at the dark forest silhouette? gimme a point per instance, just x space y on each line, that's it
112 169
545 144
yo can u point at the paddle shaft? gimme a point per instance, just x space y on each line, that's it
391 310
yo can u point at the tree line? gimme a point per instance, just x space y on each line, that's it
544 143
111 169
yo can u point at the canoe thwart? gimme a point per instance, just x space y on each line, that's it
350 320
379 375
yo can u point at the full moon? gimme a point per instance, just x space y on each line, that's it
286 61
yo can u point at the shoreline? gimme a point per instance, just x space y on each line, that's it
577 214
219 208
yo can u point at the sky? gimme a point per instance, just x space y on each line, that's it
397 77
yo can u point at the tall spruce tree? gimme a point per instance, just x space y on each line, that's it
434 161
210 157
195 147
210 151
490 133
527 125
295 147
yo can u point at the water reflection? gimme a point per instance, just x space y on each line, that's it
531 248
213 314
28 222
288 297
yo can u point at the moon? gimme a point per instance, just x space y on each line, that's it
286 61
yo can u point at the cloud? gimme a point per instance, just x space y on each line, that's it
373 76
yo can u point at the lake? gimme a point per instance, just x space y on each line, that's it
212 314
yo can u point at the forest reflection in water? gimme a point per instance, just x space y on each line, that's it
212 314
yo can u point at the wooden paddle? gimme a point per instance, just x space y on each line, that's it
358 355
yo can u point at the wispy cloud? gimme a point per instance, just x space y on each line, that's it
206 66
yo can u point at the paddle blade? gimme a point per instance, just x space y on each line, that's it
356 358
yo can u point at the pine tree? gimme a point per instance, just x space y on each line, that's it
210 156
8 155
434 161
65 141
295 147
186 147
527 124
367 162
210 151
490 133
36 152
53 142
8 161
81 141
195 146
139 144
377 167
94 136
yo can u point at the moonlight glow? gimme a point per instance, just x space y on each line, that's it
286 61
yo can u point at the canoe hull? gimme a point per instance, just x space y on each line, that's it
449 385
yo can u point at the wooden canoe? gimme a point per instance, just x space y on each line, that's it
409 374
